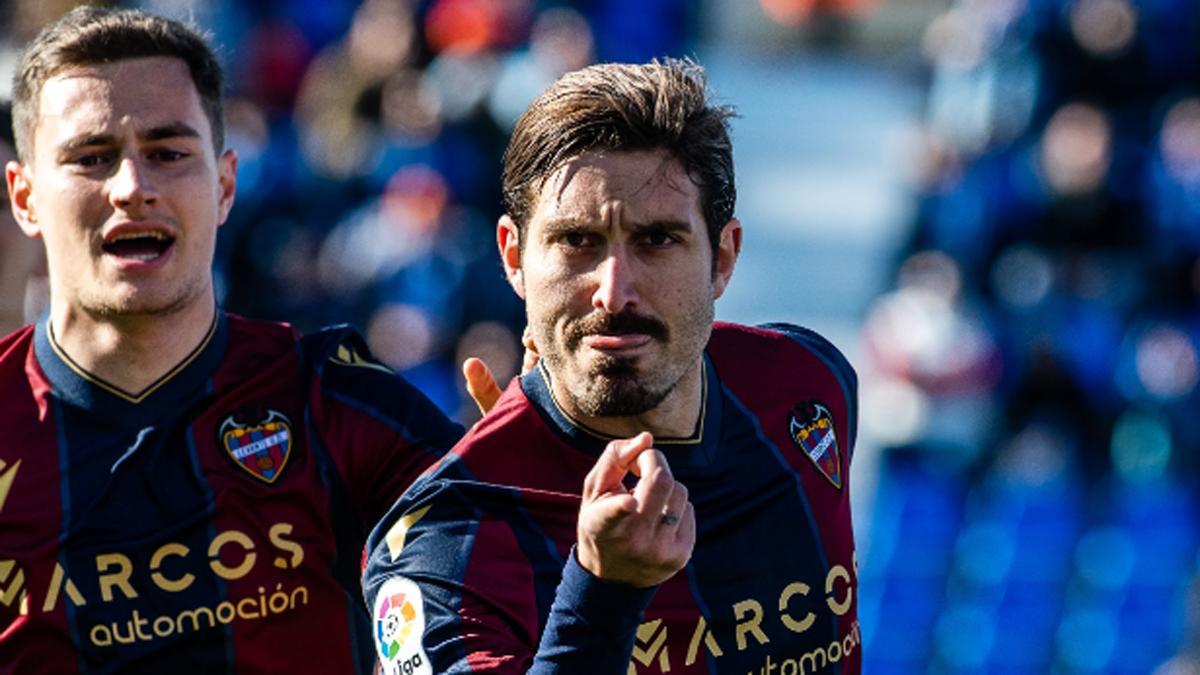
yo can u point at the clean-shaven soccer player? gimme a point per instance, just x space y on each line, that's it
180 490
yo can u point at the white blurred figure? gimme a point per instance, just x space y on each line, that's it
934 357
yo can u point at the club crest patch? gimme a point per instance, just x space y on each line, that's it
261 447
399 619
811 429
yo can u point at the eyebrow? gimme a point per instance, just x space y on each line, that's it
663 226
561 224
567 224
162 132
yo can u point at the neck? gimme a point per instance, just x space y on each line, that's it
675 417
131 352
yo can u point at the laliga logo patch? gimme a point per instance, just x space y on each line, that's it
811 429
399 626
261 447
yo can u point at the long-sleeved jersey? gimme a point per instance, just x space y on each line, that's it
213 522
473 569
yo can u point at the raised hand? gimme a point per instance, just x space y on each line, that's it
640 537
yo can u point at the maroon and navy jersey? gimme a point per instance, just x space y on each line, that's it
473 570
214 522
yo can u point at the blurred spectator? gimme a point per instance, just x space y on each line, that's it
339 104
560 41
1056 235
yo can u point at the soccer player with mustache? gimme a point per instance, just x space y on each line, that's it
663 492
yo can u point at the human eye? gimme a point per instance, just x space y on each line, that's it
576 240
89 160
658 238
89 163
167 155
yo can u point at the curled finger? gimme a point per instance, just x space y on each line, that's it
655 484
613 465
677 503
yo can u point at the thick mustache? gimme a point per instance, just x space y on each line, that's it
625 323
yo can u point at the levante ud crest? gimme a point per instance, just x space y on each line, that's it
261 446
811 429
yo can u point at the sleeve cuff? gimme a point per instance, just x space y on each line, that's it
592 624
594 598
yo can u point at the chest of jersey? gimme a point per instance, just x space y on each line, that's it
770 586
132 541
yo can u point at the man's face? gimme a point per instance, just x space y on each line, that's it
124 188
618 279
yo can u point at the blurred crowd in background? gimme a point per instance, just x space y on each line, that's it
1038 354
1030 372
369 135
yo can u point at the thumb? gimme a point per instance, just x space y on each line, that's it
481 385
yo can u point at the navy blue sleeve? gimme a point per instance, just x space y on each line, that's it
455 585
592 624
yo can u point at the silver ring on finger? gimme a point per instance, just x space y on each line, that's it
669 518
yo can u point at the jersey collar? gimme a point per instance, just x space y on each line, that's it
70 382
697 449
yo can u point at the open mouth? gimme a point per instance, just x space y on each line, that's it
142 247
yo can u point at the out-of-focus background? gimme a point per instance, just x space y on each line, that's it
992 206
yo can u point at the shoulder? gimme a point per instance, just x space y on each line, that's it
15 346
765 346
254 345
512 418
514 445
347 371
343 363
338 343
16 350
338 364
264 334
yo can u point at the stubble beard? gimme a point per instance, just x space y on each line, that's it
105 306
612 386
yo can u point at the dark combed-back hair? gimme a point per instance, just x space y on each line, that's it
93 35
662 105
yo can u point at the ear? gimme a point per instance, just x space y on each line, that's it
508 239
20 198
226 184
727 255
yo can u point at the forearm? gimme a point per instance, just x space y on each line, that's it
592 625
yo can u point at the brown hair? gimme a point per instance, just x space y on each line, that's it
92 35
661 105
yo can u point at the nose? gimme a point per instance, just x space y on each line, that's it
616 288
131 185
